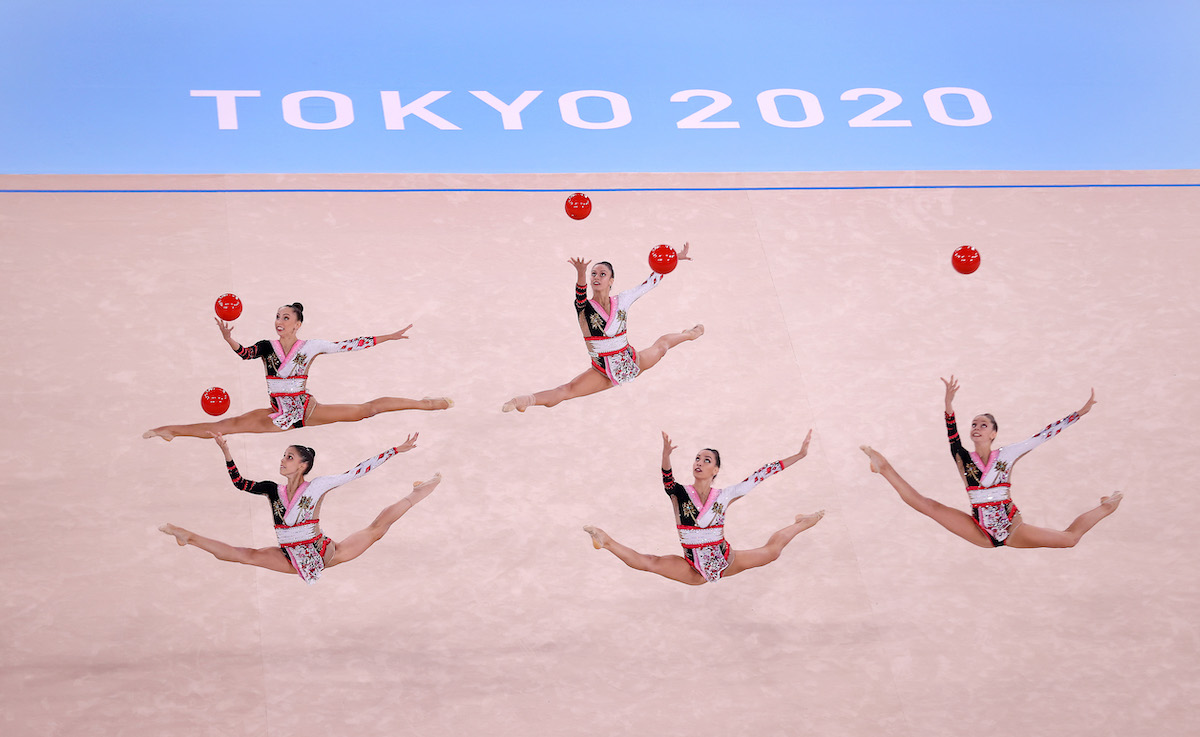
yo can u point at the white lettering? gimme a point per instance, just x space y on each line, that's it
700 118
226 105
394 113
568 105
870 119
980 112
343 110
770 112
510 113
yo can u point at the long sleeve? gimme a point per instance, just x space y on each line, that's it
967 470
742 488
580 297
952 434
323 484
253 487
251 352
629 296
317 347
1015 451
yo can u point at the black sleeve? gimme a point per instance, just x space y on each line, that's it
254 487
258 350
580 297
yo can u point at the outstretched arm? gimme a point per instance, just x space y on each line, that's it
1087 406
234 475
580 270
803 452
223 445
951 390
332 482
398 335
666 453
226 329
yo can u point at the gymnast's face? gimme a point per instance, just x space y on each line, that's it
705 466
601 278
982 430
287 322
291 463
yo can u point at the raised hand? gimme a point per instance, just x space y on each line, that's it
580 268
409 443
226 329
683 253
398 335
666 453
951 390
1087 407
803 451
222 444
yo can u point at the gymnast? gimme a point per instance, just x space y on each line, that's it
700 518
994 520
602 321
287 361
303 548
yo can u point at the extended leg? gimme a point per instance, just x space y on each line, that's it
323 414
1029 536
746 559
270 558
589 382
357 543
673 567
254 421
954 520
654 354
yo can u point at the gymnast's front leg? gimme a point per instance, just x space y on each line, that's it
272 559
673 567
589 382
254 421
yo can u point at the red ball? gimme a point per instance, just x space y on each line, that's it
663 259
578 206
965 260
215 401
228 307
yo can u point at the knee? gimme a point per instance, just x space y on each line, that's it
650 563
237 555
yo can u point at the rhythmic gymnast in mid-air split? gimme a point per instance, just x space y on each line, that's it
288 360
700 518
296 507
994 520
602 320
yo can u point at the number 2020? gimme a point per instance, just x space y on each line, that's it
814 115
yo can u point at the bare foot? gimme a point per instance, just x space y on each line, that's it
437 402
600 538
808 520
159 433
694 332
520 403
181 535
1112 501
422 489
877 461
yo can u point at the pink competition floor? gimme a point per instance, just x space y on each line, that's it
486 610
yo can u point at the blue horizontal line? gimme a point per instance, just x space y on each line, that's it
589 189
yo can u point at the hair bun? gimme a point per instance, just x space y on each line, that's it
298 306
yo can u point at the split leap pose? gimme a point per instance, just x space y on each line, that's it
994 520
303 548
700 518
602 320
288 361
